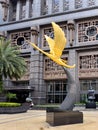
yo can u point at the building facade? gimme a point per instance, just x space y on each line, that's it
45 81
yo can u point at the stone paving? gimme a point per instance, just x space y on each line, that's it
36 120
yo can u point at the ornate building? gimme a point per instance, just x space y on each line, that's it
45 81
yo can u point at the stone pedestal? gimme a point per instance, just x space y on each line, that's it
90 105
58 117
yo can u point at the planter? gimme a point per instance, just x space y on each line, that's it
11 110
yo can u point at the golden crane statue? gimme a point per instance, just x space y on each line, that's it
56 46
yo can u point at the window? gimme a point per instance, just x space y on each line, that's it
23 9
20 41
86 85
56 91
55 6
91 3
53 70
49 32
88 64
31 8
12 10
87 31
44 7
65 5
91 31
78 4
18 38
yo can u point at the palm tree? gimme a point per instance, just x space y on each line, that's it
11 64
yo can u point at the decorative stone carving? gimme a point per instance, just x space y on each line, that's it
5 4
44 7
18 38
71 29
65 5
34 36
52 70
87 31
78 4
55 7
2 34
88 64
91 2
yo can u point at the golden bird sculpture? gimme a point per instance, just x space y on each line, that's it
56 46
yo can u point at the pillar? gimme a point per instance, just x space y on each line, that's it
36 70
61 6
27 8
49 6
71 4
71 31
37 8
3 10
18 10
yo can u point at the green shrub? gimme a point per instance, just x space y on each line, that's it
47 105
9 104
10 96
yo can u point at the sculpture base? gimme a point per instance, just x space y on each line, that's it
57 117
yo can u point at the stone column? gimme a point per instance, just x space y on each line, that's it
71 30
49 6
1 20
2 34
36 70
71 4
18 10
27 8
85 3
3 10
96 2
36 8
34 34
61 6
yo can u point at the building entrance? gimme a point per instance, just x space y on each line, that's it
56 91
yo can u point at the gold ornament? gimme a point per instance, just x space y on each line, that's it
56 46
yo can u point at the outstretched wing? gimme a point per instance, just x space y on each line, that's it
51 43
37 48
55 59
59 39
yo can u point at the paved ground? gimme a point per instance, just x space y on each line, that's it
36 120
